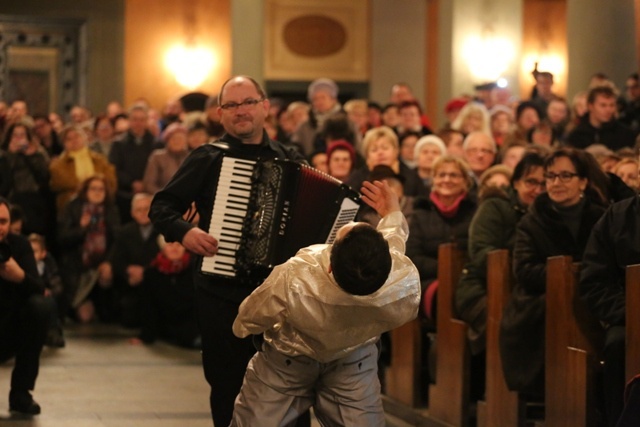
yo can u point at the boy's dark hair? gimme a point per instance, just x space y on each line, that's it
360 260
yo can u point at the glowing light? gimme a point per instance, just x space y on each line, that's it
190 65
546 62
502 82
488 57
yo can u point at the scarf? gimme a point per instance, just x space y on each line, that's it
83 163
447 211
94 246
166 266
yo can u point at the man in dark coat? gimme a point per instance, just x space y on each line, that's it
129 155
24 314
135 246
599 125
612 246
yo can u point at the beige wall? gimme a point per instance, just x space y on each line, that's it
247 30
152 27
104 40
601 38
398 37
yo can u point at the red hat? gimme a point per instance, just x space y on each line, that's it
342 144
455 104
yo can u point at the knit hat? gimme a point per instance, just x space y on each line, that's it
171 130
324 84
455 104
429 139
342 144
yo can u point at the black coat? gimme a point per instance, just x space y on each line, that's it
612 246
130 248
539 235
429 229
71 238
130 160
612 134
12 295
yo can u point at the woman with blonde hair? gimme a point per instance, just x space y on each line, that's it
473 117
627 170
380 146
441 217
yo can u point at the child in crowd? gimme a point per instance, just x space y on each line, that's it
322 313
48 271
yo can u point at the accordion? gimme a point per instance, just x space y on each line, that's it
264 212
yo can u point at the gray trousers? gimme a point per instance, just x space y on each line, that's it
278 388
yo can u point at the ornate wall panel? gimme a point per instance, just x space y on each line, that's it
40 62
310 39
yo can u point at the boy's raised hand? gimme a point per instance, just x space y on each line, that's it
380 197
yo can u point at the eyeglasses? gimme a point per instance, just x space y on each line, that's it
564 176
233 106
486 151
532 183
452 175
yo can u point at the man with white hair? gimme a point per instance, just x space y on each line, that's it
323 96
480 152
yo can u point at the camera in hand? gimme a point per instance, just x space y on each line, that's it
5 252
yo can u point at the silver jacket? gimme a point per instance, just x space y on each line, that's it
302 310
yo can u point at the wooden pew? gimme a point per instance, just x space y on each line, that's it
502 407
632 301
573 341
449 396
403 374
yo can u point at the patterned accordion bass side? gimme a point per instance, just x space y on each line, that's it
265 212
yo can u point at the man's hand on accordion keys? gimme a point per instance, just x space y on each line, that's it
200 242
380 197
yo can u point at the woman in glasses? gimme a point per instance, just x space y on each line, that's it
559 223
494 227
443 216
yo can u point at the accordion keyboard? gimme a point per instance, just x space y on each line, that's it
229 210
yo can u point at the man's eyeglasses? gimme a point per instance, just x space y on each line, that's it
564 176
233 106
532 183
486 151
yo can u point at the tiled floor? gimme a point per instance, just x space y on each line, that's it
100 380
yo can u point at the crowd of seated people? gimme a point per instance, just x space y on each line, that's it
84 186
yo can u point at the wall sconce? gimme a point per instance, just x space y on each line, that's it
488 56
190 64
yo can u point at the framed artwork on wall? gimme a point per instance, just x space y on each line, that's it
317 38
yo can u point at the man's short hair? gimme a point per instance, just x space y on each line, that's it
5 201
360 260
253 81
408 104
604 91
